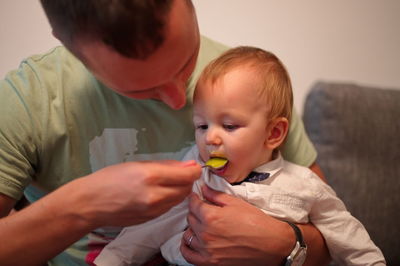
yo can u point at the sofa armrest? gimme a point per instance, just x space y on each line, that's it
356 131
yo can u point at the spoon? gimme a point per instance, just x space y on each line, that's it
216 163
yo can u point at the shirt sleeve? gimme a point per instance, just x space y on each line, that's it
298 148
18 131
137 244
347 239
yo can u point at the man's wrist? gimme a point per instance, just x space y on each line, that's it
290 238
317 251
74 204
283 242
299 252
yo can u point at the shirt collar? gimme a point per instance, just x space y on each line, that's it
272 167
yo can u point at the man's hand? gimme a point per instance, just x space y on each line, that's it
135 192
228 231
123 194
232 232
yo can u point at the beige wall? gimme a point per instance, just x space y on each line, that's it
24 30
344 40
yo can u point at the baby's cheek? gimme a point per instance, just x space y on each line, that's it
203 153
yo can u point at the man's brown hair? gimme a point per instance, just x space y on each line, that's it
133 28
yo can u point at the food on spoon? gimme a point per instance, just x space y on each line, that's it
217 162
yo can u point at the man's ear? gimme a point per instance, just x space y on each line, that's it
277 130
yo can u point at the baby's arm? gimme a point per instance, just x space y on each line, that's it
137 244
170 250
348 241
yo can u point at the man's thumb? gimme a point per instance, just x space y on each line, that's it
215 197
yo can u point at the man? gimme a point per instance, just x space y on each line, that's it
59 122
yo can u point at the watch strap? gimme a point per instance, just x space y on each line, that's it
299 235
299 252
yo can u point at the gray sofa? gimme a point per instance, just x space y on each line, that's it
356 131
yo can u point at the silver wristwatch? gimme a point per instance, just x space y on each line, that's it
299 252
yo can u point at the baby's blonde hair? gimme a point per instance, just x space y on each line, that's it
276 87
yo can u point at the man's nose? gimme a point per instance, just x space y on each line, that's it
174 94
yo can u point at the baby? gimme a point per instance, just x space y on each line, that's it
242 109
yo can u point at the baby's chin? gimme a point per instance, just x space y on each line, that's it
221 172
225 173
231 179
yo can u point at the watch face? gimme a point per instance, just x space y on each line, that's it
300 257
299 252
297 257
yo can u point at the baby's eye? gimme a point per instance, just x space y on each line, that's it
202 127
230 127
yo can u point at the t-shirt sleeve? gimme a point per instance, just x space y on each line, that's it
18 131
298 148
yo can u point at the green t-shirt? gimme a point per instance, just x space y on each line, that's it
58 123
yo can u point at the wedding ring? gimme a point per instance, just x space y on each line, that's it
189 242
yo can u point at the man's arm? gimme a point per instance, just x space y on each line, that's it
316 169
317 251
233 232
38 232
6 205
118 195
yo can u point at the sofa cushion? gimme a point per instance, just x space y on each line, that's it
356 131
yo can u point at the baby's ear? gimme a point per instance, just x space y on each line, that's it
277 130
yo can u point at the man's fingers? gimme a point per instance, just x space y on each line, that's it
189 246
199 211
191 255
190 239
172 194
173 173
216 197
196 206
173 162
